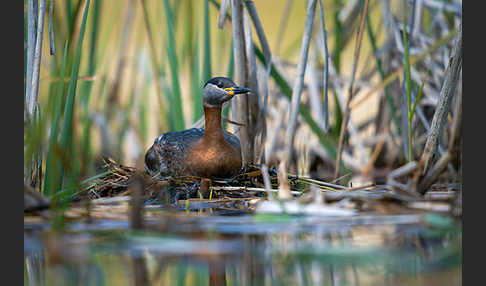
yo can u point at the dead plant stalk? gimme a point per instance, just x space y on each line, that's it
357 49
239 105
442 109
299 81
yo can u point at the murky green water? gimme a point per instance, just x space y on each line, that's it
249 250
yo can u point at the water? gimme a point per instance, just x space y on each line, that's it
242 249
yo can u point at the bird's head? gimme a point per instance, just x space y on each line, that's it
219 90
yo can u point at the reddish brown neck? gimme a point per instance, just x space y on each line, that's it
212 129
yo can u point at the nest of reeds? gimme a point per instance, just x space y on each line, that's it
117 179
249 185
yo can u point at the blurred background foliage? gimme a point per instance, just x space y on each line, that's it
124 72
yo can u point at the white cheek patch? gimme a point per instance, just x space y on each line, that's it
214 96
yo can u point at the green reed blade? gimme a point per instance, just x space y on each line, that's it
206 69
338 36
196 84
177 116
50 186
379 66
417 100
85 93
67 124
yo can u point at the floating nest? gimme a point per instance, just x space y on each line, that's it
117 178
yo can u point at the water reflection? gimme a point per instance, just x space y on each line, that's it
250 250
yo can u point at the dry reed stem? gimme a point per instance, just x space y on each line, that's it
31 33
441 111
454 142
253 128
222 13
250 6
434 172
351 86
441 149
326 67
34 84
417 21
314 94
239 105
298 83
262 104
33 172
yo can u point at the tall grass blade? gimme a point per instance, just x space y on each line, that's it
196 84
85 93
94 37
51 186
52 46
338 116
338 36
67 124
187 51
231 63
69 16
207 45
176 113
417 100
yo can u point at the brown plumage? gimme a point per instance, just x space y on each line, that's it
210 152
